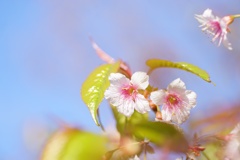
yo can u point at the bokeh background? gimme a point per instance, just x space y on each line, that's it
46 55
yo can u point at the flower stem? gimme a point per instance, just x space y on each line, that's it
236 16
145 151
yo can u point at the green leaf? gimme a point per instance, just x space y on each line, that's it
93 88
120 120
161 134
123 122
73 144
158 63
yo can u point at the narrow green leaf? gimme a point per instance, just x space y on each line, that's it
158 63
162 134
73 144
93 88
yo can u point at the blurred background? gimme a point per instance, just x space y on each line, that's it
46 55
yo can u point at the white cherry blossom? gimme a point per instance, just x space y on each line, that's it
124 93
176 101
215 26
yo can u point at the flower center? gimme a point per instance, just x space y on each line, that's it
129 91
172 100
215 27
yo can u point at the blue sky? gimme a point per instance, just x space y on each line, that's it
46 55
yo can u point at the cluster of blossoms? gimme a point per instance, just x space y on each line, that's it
125 94
128 95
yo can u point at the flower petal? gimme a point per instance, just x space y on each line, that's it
113 95
180 115
118 79
140 79
142 105
192 98
127 107
158 97
226 43
176 86
208 14
205 17
166 113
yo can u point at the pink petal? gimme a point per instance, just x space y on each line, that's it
142 105
158 97
140 79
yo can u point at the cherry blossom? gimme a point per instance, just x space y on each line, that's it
215 26
176 101
124 93
232 151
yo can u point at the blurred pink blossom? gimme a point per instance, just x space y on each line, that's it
215 26
232 151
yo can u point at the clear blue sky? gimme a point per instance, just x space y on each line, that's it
46 55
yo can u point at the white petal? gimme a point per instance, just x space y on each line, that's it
202 20
142 105
208 13
140 79
166 113
192 98
158 97
226 43
118 79
116 101
111 91
127 107
113 95
177 86
180 115
205 17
